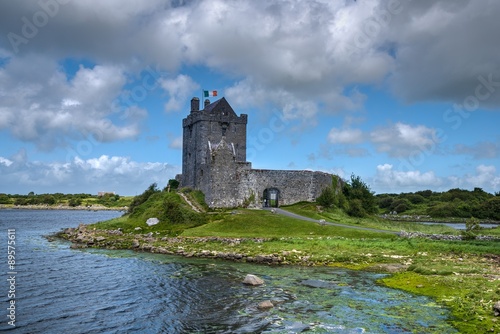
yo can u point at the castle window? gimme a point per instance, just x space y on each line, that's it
224 127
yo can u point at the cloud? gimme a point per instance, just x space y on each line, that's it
5 162
442 48
388 180
485 177
110 173
301 57
179 89
41 105
481 150
345 136
175 142
402 140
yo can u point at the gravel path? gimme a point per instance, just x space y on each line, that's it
323 222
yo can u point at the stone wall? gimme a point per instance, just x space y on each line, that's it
293 185
229 183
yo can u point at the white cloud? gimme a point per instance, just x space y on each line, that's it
175 142
485 177
345 136
389 180
111 173
5 162
402 140
42 106
179 89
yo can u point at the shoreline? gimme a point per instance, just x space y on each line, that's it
62 207
463 282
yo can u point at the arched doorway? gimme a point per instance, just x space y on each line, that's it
271 197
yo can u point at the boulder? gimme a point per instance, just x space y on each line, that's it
252 280
496 308
265 305
152 221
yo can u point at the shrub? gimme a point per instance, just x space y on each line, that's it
139 199
400 205
385 202
356 208
74 202
327 197
471 226
4 199
173 184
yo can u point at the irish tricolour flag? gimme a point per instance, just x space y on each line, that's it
207 93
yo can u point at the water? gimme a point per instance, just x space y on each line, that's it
61 290
461 226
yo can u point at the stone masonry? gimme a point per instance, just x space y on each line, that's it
214 161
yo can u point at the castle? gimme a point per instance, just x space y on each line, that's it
214 161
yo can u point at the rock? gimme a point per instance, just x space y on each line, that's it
152 221
496 308
100 239
252 280
317 283
265 305
138 228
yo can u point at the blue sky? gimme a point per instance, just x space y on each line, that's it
405 94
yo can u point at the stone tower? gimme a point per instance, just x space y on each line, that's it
204 129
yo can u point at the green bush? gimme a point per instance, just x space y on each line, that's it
327 198
4 199
356 209
357 192
139 199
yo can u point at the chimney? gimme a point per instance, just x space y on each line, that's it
207 102
195 104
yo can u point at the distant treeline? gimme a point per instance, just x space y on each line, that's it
108 199
452 203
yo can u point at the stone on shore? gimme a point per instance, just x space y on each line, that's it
152 221
253 280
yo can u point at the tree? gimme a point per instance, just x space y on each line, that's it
75 201
173 184
357 189
4 199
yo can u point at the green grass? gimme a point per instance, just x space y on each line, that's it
174 214
261 223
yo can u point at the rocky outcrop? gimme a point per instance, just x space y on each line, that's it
83 237
410 235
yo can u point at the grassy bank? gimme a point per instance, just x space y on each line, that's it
463 275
